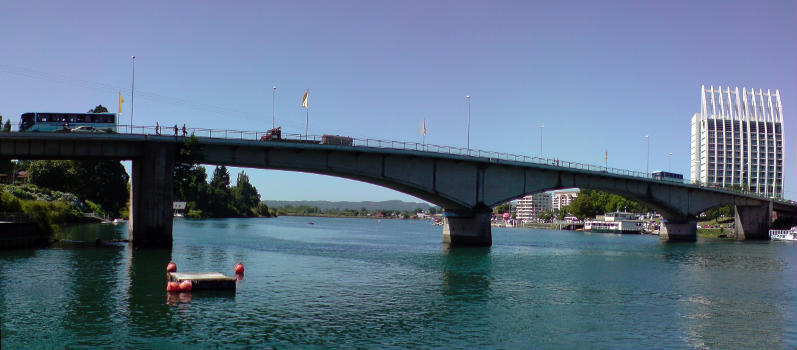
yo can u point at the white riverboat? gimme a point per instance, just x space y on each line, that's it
783 235
615 222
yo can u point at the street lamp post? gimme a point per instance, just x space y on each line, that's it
669 162
467 98
541 127
647 160
133 94
273 109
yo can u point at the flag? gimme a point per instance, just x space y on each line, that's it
304 98
424 126
121 100
606 155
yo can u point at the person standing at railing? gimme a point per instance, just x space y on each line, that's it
175 129
185 132
157 128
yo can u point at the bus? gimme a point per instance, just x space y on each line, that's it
666 176
51 122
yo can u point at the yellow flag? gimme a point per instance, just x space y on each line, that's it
121 100
304 98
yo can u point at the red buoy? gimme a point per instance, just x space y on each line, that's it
185 286
239 268
171 267
173 287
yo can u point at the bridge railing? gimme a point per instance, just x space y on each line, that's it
180 131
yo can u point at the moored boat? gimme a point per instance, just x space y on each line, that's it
615 222
784 235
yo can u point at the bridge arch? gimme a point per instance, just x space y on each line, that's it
464 185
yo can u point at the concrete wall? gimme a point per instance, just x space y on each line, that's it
151 196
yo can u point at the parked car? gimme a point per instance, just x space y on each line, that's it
86 128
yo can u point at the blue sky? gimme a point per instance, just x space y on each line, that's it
598 75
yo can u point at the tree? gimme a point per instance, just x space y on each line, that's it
98 109
221 177
221 204
105 183
189 177
7 125
503 208
262 210
101 181
584 206
245 196
546 215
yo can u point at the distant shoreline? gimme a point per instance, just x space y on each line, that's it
347 217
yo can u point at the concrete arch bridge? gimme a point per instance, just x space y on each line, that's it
466 183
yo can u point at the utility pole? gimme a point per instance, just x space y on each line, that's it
273 108
133 94
467 98
647 160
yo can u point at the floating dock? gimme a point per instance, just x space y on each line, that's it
204 280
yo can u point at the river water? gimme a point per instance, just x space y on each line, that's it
360 283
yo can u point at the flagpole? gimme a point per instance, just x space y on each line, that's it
424 134
133 94
306 105
273 108
119 101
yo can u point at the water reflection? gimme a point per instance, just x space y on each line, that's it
149 314
176 298
708 302
94 293
466 273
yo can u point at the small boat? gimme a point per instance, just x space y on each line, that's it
118 221
615 222
784 235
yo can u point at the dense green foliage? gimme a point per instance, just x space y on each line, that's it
101 181
502 208
591 203
217 198
43 206
5 163
717 212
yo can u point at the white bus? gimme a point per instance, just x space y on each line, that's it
51 122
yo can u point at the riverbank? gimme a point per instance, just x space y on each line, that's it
16 235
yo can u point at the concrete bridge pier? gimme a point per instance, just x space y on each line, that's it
467 228
678 230
752 222
151 197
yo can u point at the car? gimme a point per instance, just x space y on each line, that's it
85 128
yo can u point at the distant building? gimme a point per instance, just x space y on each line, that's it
737 139
530 207
562 199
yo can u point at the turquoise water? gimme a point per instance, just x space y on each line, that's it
357 283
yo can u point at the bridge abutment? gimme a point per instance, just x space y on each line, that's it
151 197
467 229
678 231
752 222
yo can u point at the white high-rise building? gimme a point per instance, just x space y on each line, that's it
562 199
737 140
530 207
